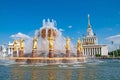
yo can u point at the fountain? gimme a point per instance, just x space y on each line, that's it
49 46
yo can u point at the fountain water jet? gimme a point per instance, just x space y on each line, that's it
50 46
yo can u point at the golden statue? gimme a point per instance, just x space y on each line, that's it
15 45
22 44
34 43
79 46
67 46
51 41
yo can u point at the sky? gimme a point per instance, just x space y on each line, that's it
25 17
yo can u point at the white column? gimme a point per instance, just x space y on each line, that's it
8 51
87 51
99 50
11 52
90 51
18 52
94 51
83 51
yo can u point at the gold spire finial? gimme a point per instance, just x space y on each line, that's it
89 26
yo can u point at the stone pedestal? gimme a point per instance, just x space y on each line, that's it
51 54
20 60
21 53
67 53
15 54
34 53
33 61
79 54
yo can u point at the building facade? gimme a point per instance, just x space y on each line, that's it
90 43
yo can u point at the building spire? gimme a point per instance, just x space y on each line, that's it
89 29
89 26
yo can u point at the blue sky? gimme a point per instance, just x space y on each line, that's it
26 16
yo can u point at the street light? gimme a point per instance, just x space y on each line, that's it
112 42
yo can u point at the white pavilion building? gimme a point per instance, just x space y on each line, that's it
90 43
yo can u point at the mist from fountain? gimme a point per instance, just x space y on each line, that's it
42 36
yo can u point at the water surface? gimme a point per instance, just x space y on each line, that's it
96 70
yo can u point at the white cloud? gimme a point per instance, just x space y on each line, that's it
20 35
69 26
61 29
114 37
116 41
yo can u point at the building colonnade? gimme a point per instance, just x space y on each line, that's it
91 51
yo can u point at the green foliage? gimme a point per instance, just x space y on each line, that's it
116 53
98 55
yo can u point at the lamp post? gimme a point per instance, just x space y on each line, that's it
116 52
112 42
